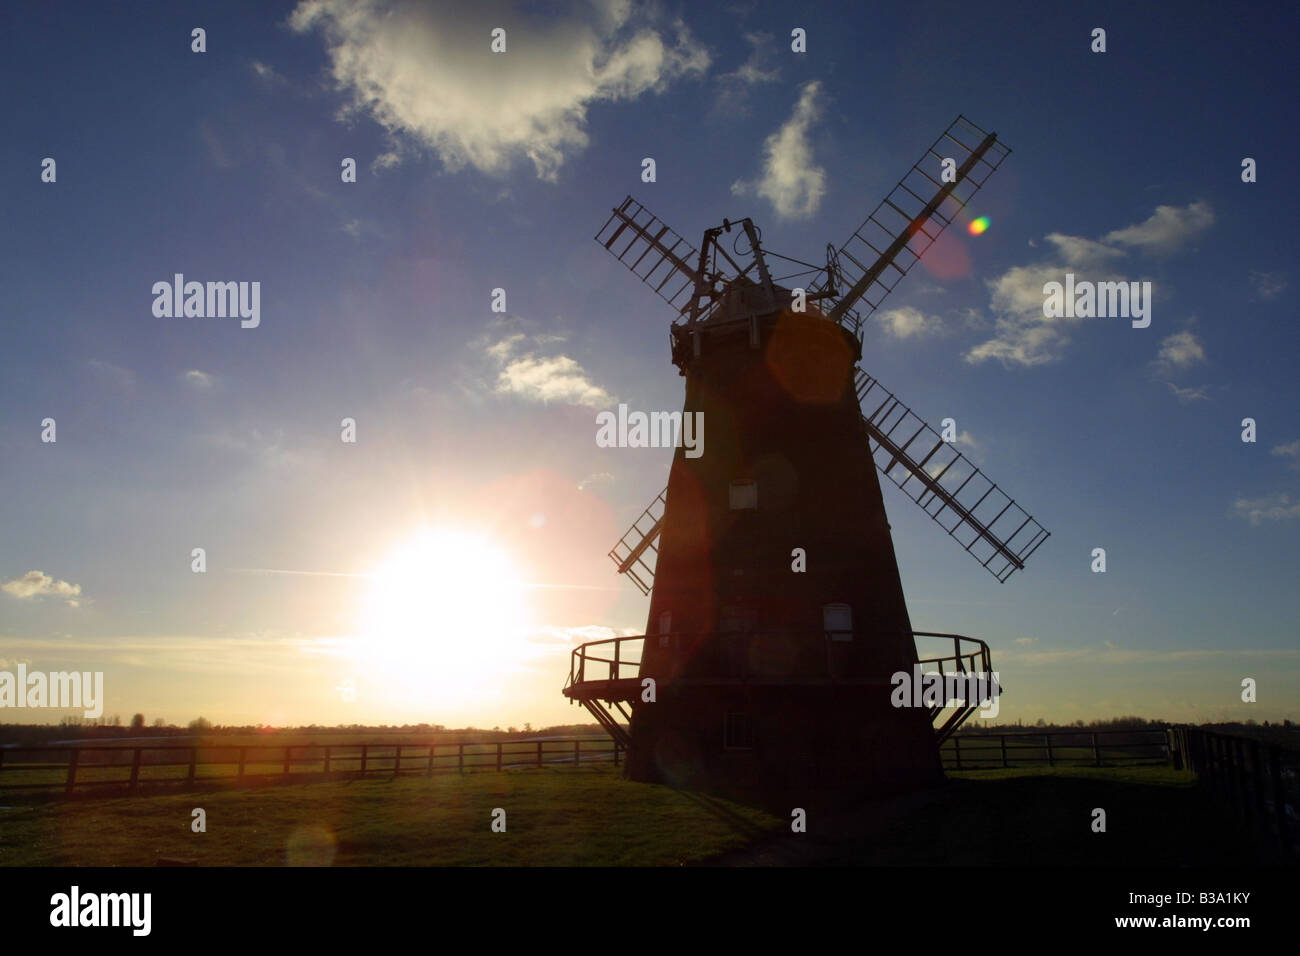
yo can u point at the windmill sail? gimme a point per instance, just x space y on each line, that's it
657 255
904 225
636 551
978 514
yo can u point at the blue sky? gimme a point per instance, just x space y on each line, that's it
479 171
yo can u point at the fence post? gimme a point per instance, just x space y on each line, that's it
72 770
956 749
194 763
365 749
1257 779
327 757
460 757
1279 797
577 752
433 752
287 751
616 753
243 752
135 768
1239 773
539 744
1003 738
498 756
1096 750
1051 761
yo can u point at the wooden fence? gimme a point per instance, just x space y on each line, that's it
1101 748
130 765
1258 780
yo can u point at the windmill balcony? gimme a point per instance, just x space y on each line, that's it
612 670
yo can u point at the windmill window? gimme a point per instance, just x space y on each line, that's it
666 622
738 732
837 621
744 494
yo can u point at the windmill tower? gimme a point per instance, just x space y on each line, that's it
777 617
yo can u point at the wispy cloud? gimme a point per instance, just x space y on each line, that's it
1268 285
122 379
1181 350
1167 230
791 180
1291 451
197 380
266 74
600 479
425 73
1278 507
38 584
1186 396
1023 335
734 88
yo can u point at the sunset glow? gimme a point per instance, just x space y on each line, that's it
443 619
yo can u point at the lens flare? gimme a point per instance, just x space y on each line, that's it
978 226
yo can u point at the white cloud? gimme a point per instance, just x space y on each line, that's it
1180 350
791 180
599 479
35 584
200 381
1167 230
1026 641
426 73
1023 335
1269 508
909 323
557 378
1268 285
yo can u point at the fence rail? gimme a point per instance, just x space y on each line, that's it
1100 748
131 765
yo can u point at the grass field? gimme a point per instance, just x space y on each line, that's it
590 816
557 817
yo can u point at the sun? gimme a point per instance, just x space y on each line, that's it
444 618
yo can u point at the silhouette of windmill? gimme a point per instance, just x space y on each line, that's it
769 678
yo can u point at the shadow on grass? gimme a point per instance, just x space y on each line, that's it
1154 817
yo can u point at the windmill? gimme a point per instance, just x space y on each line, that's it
764 676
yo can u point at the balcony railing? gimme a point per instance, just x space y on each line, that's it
781 655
